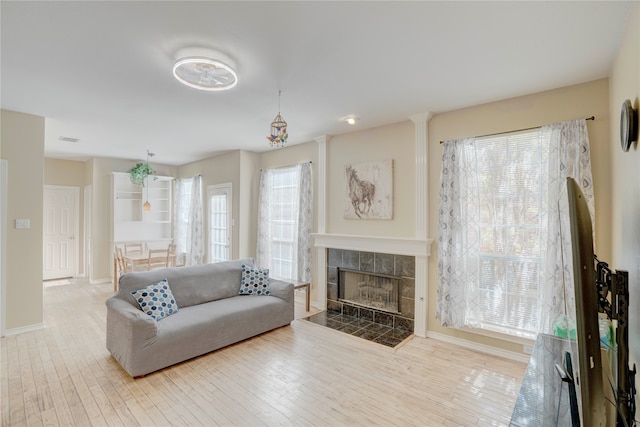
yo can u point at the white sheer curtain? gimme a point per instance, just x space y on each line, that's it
196 250
569 156
458 230
187 224
297 236
459 266
303 227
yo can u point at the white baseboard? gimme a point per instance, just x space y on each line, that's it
100 281
23 329
481 348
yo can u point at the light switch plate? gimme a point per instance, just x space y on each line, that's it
23 223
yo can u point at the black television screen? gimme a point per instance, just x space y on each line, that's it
589 373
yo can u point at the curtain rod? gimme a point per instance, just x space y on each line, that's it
517 130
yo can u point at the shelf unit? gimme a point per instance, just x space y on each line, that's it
130 222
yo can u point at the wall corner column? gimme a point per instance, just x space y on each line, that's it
422 221
321 253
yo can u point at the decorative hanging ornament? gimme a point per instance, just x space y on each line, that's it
279 135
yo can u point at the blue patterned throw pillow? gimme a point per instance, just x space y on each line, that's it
156 300
255 281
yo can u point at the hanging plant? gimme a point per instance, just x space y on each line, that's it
140 172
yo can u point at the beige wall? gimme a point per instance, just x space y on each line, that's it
22 142
69 173
395 142
574 102
625 173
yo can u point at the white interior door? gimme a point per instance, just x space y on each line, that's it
220 222
60 255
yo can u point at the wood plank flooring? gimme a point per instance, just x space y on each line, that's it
303 375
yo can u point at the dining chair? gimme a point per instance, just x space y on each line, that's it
171 255
133 247
158 258
122 267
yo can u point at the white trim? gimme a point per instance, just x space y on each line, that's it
385 245
23 329
421 147
4 176
321 209
498 335
100 281
481 348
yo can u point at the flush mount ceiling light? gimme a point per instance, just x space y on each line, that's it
205 73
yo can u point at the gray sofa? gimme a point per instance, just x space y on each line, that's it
211 315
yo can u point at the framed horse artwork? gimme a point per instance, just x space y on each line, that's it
368 191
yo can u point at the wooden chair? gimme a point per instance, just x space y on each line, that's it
158 258
133 247
171 255
122 268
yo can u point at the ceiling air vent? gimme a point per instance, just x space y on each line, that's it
68 139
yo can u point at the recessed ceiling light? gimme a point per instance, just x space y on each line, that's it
205 74
350 120
68 139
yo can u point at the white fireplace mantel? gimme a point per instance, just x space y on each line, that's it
389 245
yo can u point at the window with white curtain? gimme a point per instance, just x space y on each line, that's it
503 261
284 222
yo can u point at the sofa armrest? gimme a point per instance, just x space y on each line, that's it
129 330
282 290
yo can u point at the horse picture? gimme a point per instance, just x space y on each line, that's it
368 190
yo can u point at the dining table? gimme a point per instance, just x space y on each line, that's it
133 259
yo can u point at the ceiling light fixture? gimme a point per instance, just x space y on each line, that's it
279 135
205 73
350 120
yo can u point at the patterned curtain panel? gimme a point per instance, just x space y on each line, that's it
569 156
305 217
476 283
263 250
458 230
181 205
196 249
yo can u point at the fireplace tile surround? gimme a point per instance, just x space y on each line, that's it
402 266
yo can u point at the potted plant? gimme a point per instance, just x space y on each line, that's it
140 172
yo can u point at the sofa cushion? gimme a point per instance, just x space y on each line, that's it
255 281
190 285
156 300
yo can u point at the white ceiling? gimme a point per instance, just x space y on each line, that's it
101 71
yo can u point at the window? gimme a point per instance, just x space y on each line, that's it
512 229
284 222
504 252
219 222
283 216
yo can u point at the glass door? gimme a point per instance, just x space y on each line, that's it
220 222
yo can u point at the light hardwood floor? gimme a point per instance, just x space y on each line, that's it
302 374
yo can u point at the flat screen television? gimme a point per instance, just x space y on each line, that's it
588 376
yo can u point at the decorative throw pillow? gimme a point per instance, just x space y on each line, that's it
156 300
255 281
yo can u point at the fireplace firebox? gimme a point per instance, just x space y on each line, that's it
371 290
